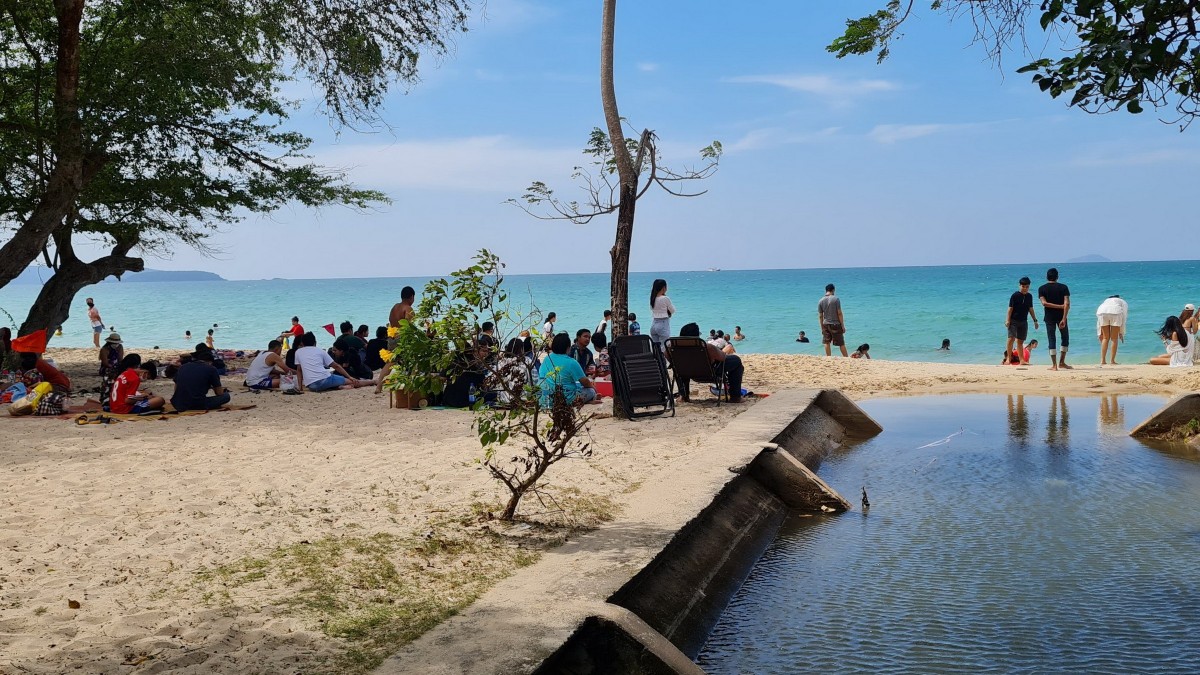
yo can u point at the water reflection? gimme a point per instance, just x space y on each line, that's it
1058 425
1112 413
1018 420
1005 552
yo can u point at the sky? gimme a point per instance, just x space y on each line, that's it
937 156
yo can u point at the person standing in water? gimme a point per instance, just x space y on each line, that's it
1056 301
661 309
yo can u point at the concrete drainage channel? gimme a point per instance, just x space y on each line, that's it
640 594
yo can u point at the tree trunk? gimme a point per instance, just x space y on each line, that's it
53 304
66 178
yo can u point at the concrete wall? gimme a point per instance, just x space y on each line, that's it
640 594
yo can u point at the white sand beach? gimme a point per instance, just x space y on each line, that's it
252 540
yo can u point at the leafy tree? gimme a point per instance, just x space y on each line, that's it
145 125
1120 54
622 173
440 343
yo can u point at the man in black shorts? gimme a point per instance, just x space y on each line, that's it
1020 305
1056 299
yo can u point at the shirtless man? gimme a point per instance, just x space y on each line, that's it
97 322
401 311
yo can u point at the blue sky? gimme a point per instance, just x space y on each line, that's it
934 157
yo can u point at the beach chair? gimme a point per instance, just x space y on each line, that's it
690 362
640 377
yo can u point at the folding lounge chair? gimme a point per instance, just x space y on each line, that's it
690 362
640 377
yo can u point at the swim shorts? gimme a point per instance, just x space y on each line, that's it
1018 330
833 333
264 384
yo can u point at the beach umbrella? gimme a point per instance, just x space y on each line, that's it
34 343
329 327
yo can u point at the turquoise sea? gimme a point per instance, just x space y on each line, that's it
902 312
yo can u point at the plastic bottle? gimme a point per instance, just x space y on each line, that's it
471 393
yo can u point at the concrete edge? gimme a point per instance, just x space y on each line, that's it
1178 411
670 564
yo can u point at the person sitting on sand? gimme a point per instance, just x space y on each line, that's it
35 369
1175 338
125 397
380 342
194 379
348 351
511 374
1014 358
313 364
8 357
581 352
561 372
266 369
734 370
110 364
863 352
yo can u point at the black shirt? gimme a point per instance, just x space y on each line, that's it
583 355
192 383
1021 303
1054 293
348 342
374 361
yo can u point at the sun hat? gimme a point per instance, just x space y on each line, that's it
1190 306
113 338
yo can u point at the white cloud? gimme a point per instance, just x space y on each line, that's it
892 133
476 164
646 67
823 86
763 138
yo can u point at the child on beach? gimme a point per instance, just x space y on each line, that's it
635 328
209 340
863 352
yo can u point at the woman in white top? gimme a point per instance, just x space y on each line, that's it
661 309
1111 317
1175 338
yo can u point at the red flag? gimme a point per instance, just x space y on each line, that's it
34 343
329 327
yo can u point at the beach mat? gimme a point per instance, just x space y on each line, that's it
166 414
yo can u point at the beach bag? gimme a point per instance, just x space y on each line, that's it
287 383
51 404
13 393
27 404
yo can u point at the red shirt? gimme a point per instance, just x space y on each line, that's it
297 330
54 376
124 386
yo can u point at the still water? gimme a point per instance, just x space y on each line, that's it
1006 534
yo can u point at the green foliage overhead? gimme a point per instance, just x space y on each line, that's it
1123 54
183 120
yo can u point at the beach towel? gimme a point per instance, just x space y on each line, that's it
167 413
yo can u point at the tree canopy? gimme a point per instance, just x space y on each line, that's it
1116 54
145 125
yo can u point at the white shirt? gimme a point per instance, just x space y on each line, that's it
663 309
314 363
1113 306
548 330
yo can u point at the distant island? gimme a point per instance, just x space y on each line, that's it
1089 259
38 275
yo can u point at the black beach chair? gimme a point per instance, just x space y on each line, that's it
690 362
640 377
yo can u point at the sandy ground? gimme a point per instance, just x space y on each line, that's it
105 529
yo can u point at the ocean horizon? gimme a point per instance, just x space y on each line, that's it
903 312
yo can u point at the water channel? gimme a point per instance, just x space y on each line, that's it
1006 534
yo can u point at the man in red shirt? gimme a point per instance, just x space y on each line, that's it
125 398
35 370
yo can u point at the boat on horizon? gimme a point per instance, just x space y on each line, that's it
714 269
